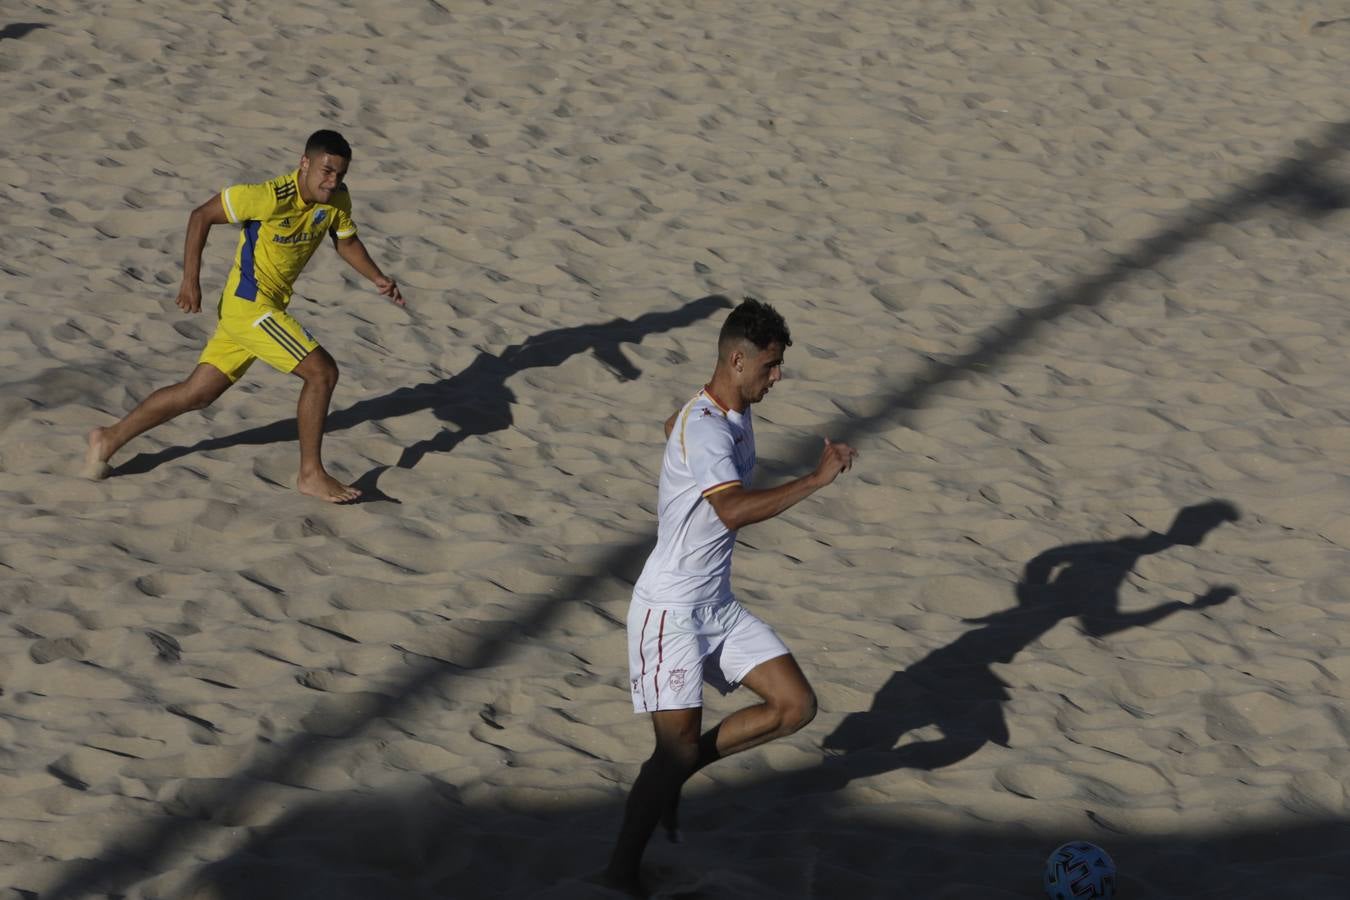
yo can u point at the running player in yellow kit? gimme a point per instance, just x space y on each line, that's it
282 222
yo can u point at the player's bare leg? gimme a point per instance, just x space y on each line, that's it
660 778
320 374
198 391
788 705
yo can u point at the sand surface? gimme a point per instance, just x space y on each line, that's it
1059 270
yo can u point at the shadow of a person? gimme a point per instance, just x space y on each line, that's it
476 400
955 688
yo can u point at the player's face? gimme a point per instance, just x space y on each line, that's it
761 370
321 175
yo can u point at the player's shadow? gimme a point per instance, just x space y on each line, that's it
15 30
955 687
475 401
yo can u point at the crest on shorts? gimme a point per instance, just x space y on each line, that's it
676 679
320 215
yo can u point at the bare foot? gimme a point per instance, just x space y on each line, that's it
97 456
326 487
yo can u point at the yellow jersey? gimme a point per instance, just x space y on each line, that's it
279 233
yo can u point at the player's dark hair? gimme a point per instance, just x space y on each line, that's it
326 141
756 322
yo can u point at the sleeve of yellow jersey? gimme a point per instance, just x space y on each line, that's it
343 226
248 202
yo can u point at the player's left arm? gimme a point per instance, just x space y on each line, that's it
354 253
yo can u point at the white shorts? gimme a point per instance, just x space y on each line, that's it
672 651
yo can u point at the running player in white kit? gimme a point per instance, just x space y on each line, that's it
685 626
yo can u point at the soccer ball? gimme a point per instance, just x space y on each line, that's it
1079 869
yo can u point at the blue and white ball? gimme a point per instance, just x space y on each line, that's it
1079 869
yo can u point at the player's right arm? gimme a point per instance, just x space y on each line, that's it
738 506
212 212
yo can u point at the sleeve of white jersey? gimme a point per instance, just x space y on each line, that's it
710 451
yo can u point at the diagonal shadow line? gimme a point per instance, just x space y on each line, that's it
1295 184
476 399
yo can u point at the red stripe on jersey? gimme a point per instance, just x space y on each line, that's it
642 657
660 656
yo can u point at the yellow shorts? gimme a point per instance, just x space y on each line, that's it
247 331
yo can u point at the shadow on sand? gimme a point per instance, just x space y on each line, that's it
16 30
475 401
955 687
969 860
771 838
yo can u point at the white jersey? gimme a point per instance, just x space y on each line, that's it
710 449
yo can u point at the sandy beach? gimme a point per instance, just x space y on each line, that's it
1072 277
